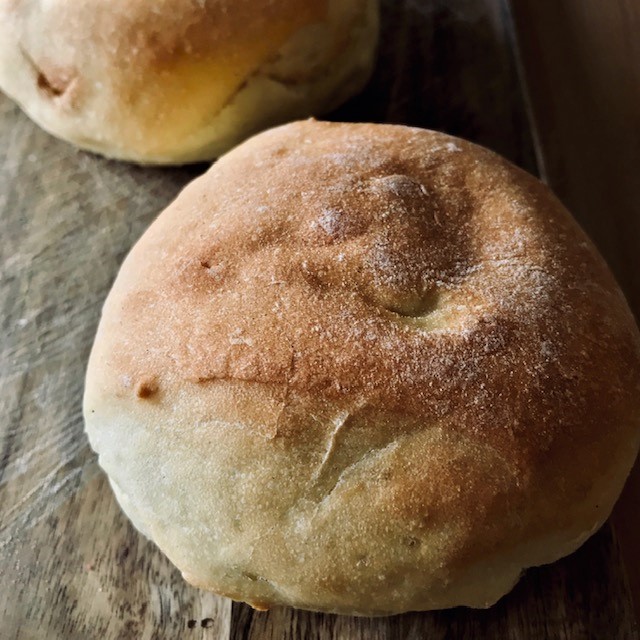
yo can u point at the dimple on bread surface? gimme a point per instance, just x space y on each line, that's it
171 81
364 369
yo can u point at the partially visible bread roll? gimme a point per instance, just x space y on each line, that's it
364 369
172 81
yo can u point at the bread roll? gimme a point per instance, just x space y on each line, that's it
173 81
364 369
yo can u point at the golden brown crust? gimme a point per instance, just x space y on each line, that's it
419 325
147 80
313 283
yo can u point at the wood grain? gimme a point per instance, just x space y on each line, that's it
70 564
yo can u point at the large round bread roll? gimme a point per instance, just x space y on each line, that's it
171 81
364 369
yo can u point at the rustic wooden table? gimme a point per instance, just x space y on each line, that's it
561 99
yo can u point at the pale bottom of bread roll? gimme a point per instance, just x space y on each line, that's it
191 502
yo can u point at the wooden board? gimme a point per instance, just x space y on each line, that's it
70 564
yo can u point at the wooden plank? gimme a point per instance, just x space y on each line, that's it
449 66
70 564
582 60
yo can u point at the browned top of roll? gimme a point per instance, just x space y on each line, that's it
160 31
385 268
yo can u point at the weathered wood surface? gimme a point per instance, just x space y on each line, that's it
70 564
